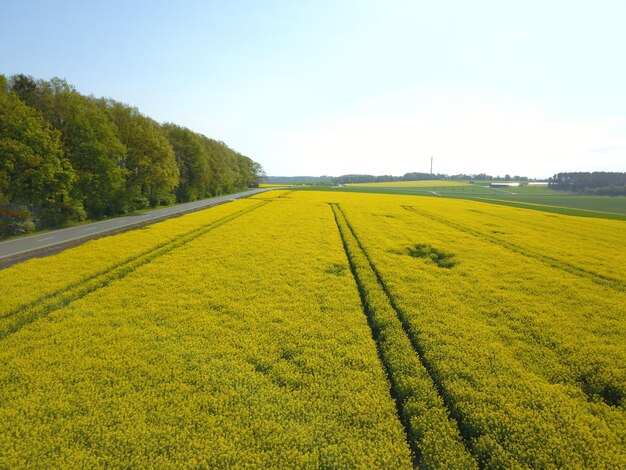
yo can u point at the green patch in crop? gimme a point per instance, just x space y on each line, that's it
336 269
440 258
597 388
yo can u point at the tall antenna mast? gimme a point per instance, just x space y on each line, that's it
431 165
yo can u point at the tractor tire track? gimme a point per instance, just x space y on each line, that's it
16 319
601 279
421 404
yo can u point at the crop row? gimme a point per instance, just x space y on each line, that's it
245 347
598 278
575 241
433 434
29 283
14 320
529 358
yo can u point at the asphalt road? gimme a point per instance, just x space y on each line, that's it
21 248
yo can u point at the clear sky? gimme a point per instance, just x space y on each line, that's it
333 87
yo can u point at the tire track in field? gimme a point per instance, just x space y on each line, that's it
16 319
375 334
601 279
106 270
421 404
605 389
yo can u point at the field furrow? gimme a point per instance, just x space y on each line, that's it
492 347
598 278
12 321
432 432
30 282
240 348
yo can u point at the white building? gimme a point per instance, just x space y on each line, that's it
504 185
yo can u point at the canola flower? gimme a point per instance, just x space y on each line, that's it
432 433
39 278
594 246
301 329
529 357
245 347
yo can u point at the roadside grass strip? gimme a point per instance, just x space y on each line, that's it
433 435
601 279
13 320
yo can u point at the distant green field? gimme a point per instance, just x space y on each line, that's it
611 204
528 197
410 184
448 187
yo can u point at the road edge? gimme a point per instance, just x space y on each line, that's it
42 252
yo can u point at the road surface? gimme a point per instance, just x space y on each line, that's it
22 248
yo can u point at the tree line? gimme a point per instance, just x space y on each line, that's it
65 157
413 176
601 183
417 176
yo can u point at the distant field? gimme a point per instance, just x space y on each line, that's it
613 204
322 329
529 197
445 186
410 184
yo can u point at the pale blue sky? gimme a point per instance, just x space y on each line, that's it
332 87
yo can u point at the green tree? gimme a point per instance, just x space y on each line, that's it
33 169
89 139
112 158
221 164
149 163
25 87
196 177
254 172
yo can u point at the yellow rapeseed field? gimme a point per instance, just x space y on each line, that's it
301 329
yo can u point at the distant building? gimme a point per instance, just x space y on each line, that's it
537 183
503 185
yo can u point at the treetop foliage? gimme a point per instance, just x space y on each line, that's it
65 156
602 183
